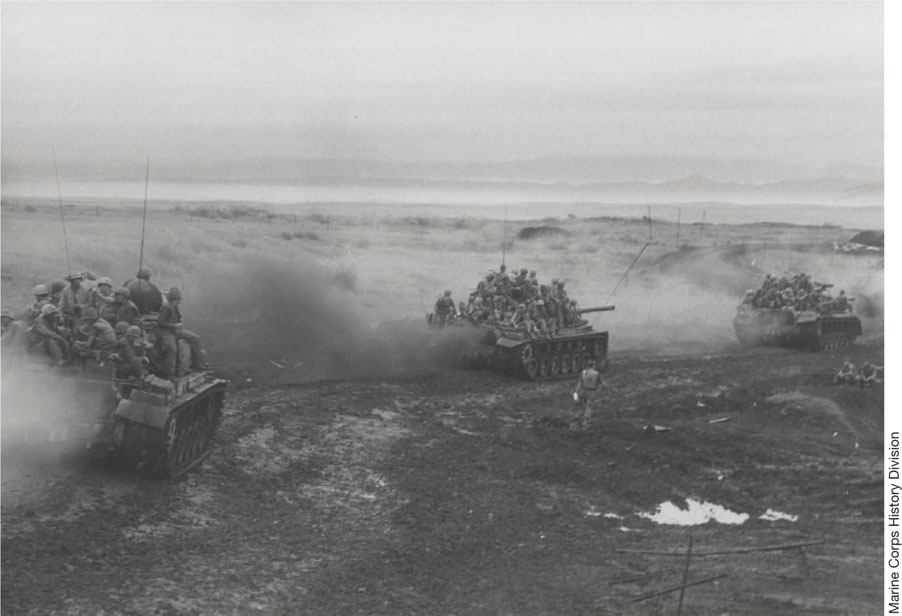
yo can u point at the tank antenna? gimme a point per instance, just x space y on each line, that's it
144 216
624 274
504 239
59 195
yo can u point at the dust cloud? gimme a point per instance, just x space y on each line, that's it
295 322
38 413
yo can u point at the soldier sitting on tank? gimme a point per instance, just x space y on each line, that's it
539 317
146 296
801 300
520 320
787 298
33 312
56 291
125 309
825 303
576 319
101 337
170 331
478 310
841 303
46 335
131 354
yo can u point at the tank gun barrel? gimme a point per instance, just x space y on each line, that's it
596 309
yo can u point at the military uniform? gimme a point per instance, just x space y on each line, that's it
170 331
589 382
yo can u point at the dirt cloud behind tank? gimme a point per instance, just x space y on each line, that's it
264 319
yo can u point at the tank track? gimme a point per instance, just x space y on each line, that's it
181 444
549 359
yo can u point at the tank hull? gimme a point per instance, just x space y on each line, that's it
787 328
536 358
156 426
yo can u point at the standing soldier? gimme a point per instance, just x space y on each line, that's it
74 298
444 308
170 330
589 382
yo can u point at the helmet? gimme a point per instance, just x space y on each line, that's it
75 276
174 293
144 273
90 275
532 273
123 292
48 309
447 293
133 331
105 280
57 286
40 290
6 314
521 306
524 271
121 327
88 313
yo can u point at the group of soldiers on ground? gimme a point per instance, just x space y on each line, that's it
798 292
89 319
518 303
867 375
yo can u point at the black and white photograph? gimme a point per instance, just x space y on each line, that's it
445 308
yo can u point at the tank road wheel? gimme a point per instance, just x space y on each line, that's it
532 367
526 353
566 363
544 367
555 365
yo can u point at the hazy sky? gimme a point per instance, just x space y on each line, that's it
441 81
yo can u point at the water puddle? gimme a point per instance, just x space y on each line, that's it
772 516
696 513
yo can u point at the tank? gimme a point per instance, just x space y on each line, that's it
158 426
809 329
532 357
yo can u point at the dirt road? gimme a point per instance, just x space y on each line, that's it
468 493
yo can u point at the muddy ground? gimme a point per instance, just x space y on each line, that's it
458 492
